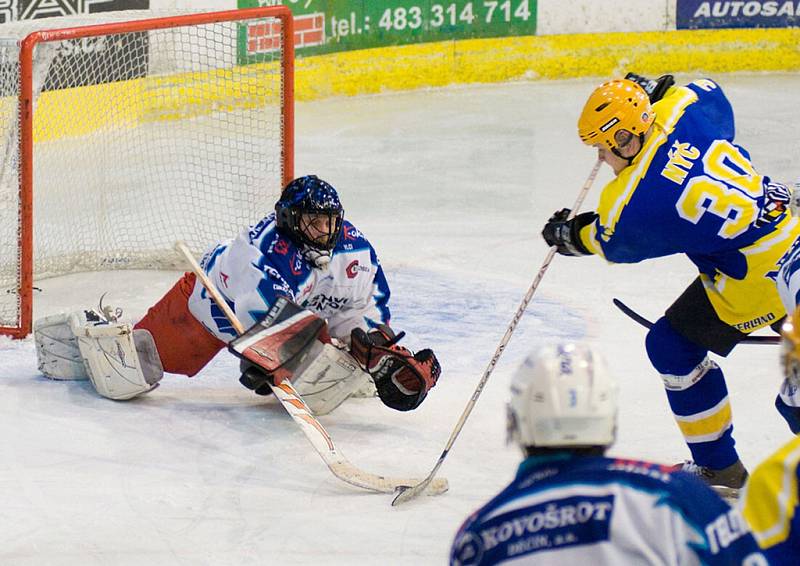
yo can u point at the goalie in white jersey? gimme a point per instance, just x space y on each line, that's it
569 504
304 257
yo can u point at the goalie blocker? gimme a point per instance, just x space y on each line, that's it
293 343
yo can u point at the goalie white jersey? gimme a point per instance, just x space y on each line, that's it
261 264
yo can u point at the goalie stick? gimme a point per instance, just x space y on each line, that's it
305 419
647 324
409 492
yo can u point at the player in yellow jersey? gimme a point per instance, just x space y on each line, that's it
683 186
769 502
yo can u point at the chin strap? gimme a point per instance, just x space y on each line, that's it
630 159
317 258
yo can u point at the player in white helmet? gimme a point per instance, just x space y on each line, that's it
569 504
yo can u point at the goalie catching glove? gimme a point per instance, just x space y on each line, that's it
402 378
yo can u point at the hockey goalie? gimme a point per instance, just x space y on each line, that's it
308 285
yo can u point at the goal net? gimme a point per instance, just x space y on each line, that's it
121 133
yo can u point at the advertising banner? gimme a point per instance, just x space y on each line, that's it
323 26
106 61
13 10
703 14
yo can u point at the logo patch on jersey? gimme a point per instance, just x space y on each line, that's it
224 277
351 233
296 264
353 269
649 469
322 302
755 323
607 126
257 230
559 523
281 247
469 549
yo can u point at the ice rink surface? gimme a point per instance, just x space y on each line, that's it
452 186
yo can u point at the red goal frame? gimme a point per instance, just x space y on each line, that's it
26 100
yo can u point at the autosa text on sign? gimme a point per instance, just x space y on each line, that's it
751 8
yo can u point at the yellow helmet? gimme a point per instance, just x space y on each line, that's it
790 355
613 106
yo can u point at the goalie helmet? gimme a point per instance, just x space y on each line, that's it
310 214
614 108
790 355
563 396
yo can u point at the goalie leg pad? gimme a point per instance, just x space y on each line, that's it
111 359
57 351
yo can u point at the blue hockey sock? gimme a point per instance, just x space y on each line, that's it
697 395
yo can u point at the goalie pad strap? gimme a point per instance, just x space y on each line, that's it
111 359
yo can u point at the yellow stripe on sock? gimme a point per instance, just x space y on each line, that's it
708 425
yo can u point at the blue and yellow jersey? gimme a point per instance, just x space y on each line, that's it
689 190
770 505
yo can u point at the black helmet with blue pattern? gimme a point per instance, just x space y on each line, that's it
302 201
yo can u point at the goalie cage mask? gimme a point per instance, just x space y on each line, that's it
310 195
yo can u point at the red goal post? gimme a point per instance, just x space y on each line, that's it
124 132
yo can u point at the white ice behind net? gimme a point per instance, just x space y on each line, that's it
163 137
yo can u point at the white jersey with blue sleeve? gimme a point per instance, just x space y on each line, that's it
261 264
597 511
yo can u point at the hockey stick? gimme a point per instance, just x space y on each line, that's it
407 493
302 415
647 324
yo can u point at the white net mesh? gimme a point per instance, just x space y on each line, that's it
140 139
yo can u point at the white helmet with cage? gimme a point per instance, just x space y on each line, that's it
563 395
